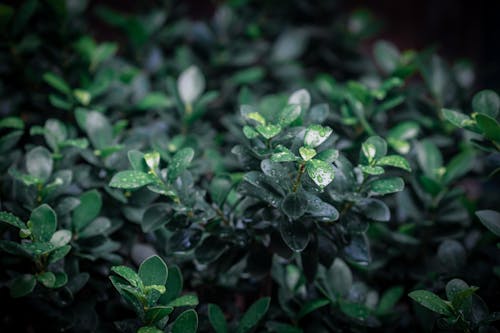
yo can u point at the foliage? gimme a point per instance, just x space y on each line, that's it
299 184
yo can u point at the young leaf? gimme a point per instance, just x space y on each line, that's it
283 154
187 322
289 114
431 301
131 179
307 153
268 131
253 315
153 271
190 85
217 319
316 135
321 173
43 223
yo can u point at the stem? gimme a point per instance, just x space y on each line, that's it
302 168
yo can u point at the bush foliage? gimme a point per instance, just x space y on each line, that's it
253 171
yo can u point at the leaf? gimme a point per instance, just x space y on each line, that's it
374 209
316 135
187 322
185 300
217 319
372 170
340 277
99 130
431 301
22 285
395 161
283 154
294 205
321 173
268 131
153 271
389 299
60 238
173 286
249 132
295 235
131 179
253 315
88 209
154 101
300 97
429 158
373 148
386 185
457 118
11 219
191 84
323 211
43 223
358 250
57 83
157 313
459 166
129 275
355 310
39 163
48 279
149 329
311 306
180 162
137 161
486 102
490 219
97 227
386 56
156 216
451 255
289 114
307 153
489 126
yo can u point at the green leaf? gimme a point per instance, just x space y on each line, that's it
190 85
153 271
490 219
372 170
48 279
321 210
156 216
459 166
180 162
389 299
289 114
57 83
152 160
457 118
431 301
157 313
307 153
249 132
486 102
316 135
489 126
129 275
429 158
253 315
386 56
387 185
137 161
300 97
99 226
340 277
11 219
355 310
43 223
394 161
217 318
154 101
150 329
99 130
187 322
294 205
283 154
12 122
373 148
374 209
321 173
88 209
268 131
311 306
294 234
185 300
39 163
60 238
22 285
173 286
459 292
131 179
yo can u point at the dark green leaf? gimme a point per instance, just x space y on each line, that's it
43 223
22 285
490 219
187 322
180 162
486 102
253 315
387 185
88 210
153 271
431 301
131 179
217 319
